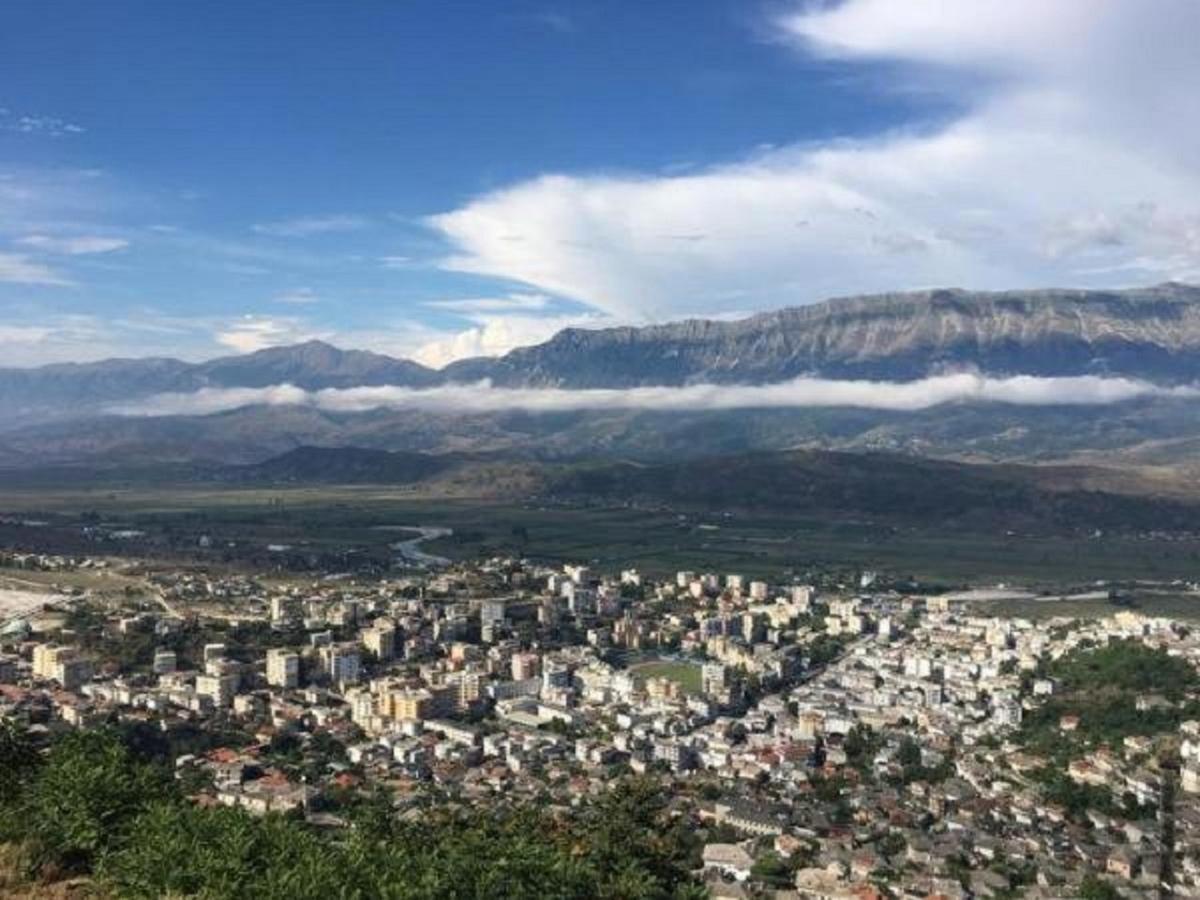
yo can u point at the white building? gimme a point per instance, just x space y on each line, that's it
283 668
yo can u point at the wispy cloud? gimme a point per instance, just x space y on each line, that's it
18 268
556 20
307 226
50 126
396 262
508 303
73 246
298 297
1022 390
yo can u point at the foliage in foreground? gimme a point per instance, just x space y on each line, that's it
92 805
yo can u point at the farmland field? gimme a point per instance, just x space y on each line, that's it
350 524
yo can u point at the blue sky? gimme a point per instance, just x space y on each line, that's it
441 179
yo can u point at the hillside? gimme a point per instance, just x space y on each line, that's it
63 414
1151 333
871 486
885 488
73 390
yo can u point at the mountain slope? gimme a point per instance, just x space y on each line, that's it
1149 333
70 390
59 413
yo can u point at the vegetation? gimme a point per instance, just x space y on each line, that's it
685 674
324 523
1102 686
91 804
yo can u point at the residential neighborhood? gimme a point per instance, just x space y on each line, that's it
827 741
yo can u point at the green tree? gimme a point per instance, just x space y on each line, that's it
88 790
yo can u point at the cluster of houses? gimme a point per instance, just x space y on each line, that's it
862 742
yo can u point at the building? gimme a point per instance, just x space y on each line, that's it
525 666
165 662
283 668
712 679
407 704
285 611
46 658
220 689
491 612
341 663
1189 753
55 662
380 640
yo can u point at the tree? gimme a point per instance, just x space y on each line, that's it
18 763
89 788
1094 888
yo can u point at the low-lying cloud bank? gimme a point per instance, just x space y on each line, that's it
482 397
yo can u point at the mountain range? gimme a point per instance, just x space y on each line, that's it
63 413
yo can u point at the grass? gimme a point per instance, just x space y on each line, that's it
685 674
1169 605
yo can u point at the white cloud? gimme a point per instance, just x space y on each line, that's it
51 126
1073 164
1022 390
298 297
306 226
56 338
73 246
23 334
251 333
509 303
18 268
495 335
396 262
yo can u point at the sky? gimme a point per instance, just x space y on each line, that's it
448 178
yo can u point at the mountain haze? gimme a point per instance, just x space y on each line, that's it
60 413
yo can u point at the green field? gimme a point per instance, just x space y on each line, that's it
685 674
1179 605
659 541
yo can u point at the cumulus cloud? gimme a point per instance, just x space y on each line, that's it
1073 163
495 335
1022 390
73 246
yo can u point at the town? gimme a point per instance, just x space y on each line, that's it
832 741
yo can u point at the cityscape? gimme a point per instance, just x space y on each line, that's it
833 740
599 450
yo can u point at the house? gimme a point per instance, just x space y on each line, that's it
730 860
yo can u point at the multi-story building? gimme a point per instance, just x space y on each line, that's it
283 668
55 662
712 679
407 704
214 652
380 639
341 663
285 611
525 666
221 688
